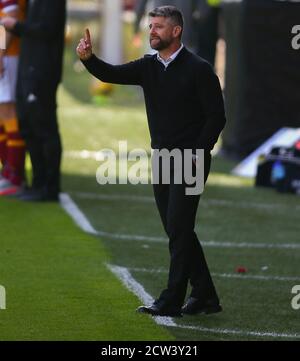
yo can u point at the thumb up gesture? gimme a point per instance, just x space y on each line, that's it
84 48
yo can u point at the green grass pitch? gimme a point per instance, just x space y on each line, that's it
57 283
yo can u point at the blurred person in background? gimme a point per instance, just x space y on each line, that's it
128 5
12 146
39 74
207 15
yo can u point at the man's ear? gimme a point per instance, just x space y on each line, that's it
177 31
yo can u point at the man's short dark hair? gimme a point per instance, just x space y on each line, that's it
170 12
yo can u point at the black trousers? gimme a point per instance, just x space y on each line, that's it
36 110
187 261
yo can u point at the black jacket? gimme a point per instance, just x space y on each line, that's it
184 102
42 41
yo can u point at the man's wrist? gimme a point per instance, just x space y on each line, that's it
86 58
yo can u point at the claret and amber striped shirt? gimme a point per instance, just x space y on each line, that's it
6 7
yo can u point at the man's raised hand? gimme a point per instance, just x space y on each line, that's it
84 48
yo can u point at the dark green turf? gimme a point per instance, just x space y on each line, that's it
56 280
57 284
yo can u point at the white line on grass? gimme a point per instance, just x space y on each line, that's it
250 245
124 275
226 275
114 197
80 219
242 333
75 213
207 202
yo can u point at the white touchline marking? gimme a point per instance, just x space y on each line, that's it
124 275
114 197
244 333
131 284
80 219
97 155
226 275
250 245
204 202
75 213
84 154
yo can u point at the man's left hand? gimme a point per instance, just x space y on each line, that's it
8 22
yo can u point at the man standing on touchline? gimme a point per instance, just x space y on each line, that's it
185 110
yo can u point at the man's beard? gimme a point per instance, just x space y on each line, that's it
159 43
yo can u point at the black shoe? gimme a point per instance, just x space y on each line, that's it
38 195
19 193
160 309
194 306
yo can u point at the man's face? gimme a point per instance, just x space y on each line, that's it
162 32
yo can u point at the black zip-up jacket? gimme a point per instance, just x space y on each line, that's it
184 102
42 41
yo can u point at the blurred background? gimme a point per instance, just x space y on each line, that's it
248 42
